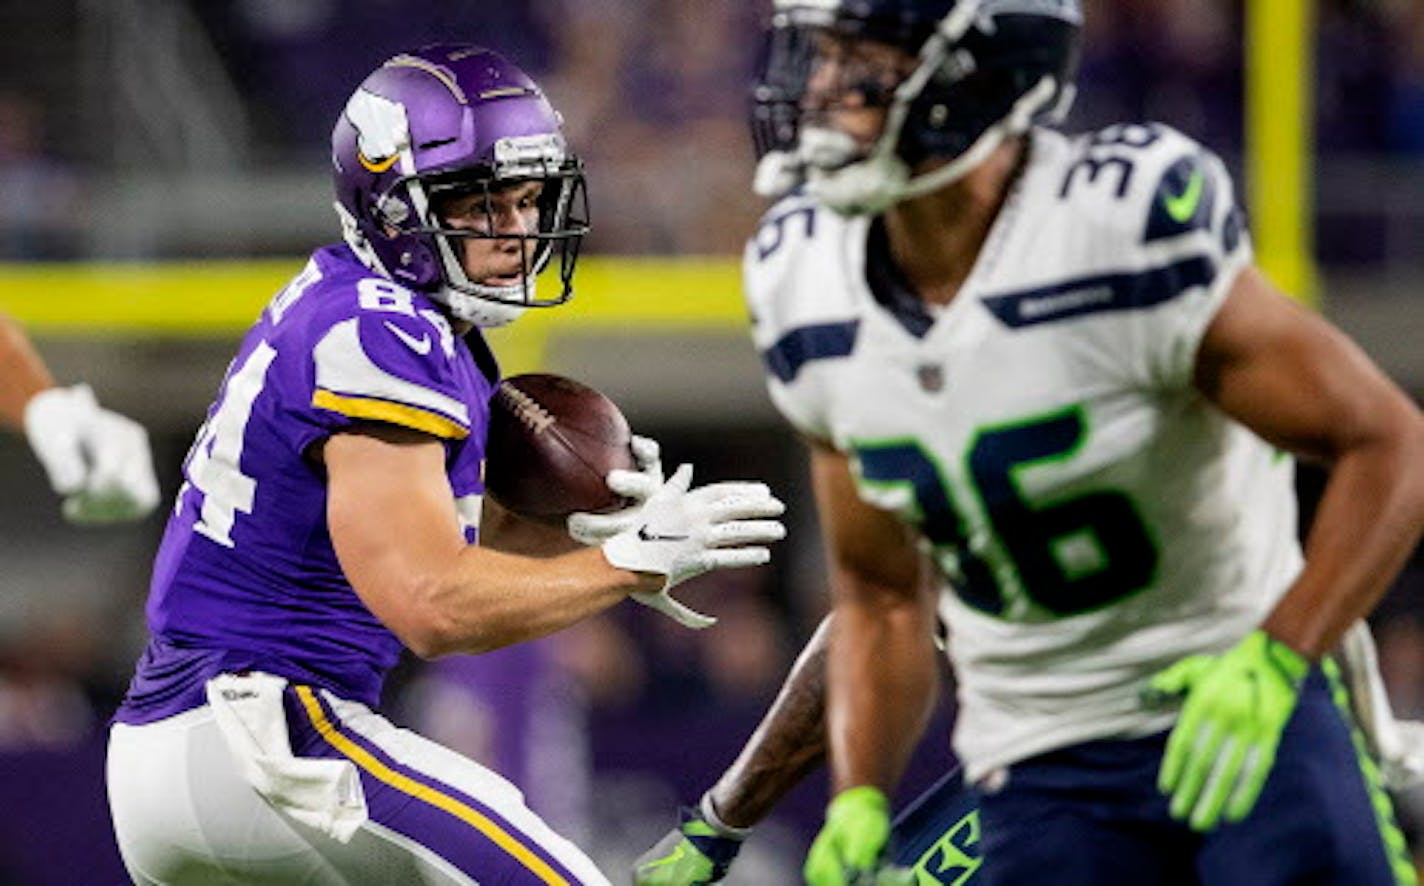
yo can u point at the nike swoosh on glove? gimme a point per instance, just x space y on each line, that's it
595 529
684 532
695 853
1236 706
98 460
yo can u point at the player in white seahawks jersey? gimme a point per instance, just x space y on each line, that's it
1042 430
1052 359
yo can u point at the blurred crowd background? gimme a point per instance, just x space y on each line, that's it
157 130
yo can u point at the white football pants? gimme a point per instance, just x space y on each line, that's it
184 813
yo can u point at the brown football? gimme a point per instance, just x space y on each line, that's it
552 440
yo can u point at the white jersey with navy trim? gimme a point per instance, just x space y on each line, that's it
1094 517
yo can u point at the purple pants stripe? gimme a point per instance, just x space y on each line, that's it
465 832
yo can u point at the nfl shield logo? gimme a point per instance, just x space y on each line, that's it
931 376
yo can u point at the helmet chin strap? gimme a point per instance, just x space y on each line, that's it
872 185
482 310
825 158
488 307
882 179
777 174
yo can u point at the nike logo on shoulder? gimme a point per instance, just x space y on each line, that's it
420 345
645 535
1181 207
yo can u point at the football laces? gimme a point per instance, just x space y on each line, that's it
525 408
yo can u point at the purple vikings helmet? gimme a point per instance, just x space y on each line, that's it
982 71
445 122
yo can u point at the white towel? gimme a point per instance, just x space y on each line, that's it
325 794
1398 744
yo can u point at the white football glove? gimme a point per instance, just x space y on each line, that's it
98 460
595 529
682 534
1398 745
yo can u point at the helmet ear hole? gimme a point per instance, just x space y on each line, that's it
392 211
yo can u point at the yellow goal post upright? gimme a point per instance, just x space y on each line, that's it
1279 51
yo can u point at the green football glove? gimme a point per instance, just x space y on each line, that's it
696 853
850 848
1224 744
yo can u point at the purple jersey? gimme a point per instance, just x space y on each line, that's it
246 578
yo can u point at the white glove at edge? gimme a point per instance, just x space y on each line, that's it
682 533
98 460
1398 744
595 529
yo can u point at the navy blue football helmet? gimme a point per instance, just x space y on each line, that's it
965 75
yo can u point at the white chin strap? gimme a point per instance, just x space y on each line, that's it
777 173
484 310
870 186
825 158
488 307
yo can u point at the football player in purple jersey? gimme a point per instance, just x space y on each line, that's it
97 460
332 515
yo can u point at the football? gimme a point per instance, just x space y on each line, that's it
552 440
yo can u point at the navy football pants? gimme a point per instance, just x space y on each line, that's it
1091 815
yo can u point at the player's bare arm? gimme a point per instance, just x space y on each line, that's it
789 742
396 532
22 373
881 668
503 530
1302 385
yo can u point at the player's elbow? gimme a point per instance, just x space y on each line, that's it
1387 427
435 615
433 640
1398 444
1410 457
427 643
1390 454
424 623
